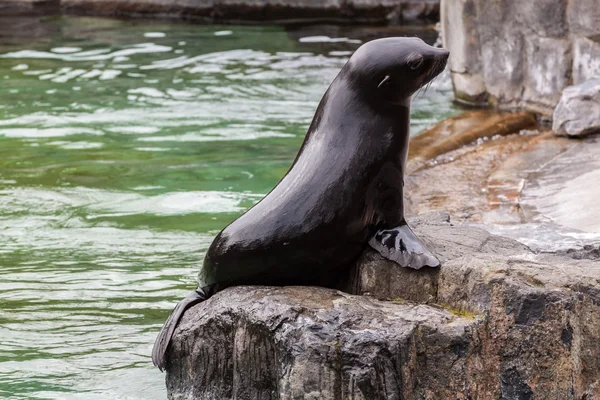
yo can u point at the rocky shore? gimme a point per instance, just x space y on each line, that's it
496 321
524 182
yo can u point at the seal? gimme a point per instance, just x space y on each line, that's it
343 192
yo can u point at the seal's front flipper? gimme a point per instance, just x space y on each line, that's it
401 245
164 336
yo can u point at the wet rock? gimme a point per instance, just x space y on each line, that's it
588 251
520 54
28 7
315 343
480 181
496 321
372 11
563 191
578 112
463 129
536 187
513 387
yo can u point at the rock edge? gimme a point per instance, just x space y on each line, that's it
495 322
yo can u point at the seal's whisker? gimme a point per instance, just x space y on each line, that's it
427 88
432 74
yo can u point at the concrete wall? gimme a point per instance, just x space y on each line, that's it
520 54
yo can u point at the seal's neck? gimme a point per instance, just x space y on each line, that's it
350 117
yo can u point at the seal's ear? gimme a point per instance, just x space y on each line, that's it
384 81
414 60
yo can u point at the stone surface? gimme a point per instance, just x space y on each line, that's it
372 11
27 7
315 343
565 191
496 321
578 112
177 8
536 187
545 77
583 17
520 54
464 129
462 37
586 59
501 50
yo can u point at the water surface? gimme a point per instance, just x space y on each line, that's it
124 148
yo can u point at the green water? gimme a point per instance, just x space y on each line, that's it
124 148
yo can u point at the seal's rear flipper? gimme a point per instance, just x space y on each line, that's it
164 336
401 245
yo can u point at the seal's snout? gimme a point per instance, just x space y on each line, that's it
439 59
440 55
443 56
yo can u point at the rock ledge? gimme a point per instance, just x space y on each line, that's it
495 322
308 342
258 11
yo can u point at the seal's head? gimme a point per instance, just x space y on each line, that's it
389 71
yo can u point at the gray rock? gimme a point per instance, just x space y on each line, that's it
542 18
520 54
372 11
583 17
588 251
27 7
315 343
543 80
578 112
586 59
495 322
501 50
459 30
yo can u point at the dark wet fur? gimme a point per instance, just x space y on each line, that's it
265 248
164 337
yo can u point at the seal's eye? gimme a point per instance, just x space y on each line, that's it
415 61
385 81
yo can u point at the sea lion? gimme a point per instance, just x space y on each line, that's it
343 191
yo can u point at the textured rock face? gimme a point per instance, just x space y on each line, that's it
578 112
315 343
586 59
520 54
495 322
373 11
